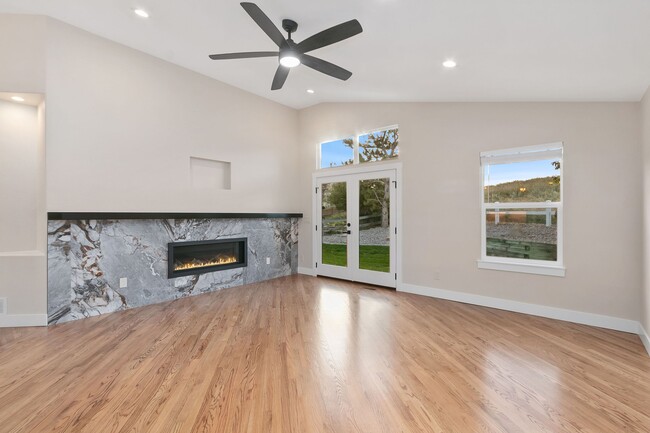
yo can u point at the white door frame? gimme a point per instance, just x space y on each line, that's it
364 168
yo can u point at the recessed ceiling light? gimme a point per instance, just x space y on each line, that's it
141 13
17 99
449 64
310 91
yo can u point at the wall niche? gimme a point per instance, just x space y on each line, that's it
209 173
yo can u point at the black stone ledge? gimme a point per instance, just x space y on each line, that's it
161 215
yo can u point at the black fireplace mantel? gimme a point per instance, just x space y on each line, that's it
161 215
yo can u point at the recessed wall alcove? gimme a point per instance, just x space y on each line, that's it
209 173
22 192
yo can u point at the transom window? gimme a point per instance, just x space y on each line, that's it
379 145
521 208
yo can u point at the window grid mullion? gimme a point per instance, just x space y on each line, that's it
527 205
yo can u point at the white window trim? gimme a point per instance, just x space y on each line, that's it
355 149
554 271
540 267
382 129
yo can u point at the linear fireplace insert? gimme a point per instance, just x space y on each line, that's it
188 258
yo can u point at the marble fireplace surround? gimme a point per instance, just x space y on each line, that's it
88 253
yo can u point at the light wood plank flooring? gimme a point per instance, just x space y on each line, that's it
303 354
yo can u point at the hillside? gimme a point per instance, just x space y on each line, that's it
531 190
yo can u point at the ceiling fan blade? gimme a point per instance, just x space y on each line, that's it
280 77
249 55
328 68
330 36
264 22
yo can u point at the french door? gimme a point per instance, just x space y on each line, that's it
356 232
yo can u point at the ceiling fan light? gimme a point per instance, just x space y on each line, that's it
289 59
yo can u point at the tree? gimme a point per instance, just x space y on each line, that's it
335 195
556 164
376 146
374 197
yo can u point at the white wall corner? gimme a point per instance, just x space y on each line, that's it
306 271
22 320
573 316
645 338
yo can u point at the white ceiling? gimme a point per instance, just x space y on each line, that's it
507 50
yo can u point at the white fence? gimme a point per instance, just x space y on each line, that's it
548 212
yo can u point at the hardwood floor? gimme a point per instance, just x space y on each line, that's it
303 354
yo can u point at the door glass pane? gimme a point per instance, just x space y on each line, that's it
334 224
522 233
374 225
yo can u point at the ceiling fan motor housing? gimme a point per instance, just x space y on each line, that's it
289 26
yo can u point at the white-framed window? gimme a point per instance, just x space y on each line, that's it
521 210
377 145
336 153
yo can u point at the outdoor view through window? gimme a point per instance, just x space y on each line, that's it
374 146
336 153
521 200
379 145
374 201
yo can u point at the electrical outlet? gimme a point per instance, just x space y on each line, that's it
3 305
436 275
123 282
268 260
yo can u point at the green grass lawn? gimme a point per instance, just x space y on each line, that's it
371 257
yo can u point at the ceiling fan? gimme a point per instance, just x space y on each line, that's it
292 54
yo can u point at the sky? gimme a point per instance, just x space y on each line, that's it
334 153
501 173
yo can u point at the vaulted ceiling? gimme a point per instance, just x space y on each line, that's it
506 50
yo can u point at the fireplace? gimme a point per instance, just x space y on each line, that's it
188 258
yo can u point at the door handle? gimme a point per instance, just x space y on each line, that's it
349 232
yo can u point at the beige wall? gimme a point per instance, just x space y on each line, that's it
22 262
440 145
645 107
122 125
120 129
22 53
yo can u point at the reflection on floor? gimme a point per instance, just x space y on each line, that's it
304 354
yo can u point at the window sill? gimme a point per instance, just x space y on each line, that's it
555 271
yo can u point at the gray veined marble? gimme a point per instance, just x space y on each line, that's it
87 258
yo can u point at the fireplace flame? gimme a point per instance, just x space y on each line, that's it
221 259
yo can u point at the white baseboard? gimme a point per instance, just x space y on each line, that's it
645 338
307 271
583 318
20 320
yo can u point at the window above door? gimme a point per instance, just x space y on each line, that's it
377 145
